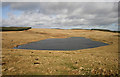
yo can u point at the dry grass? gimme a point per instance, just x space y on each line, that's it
101 60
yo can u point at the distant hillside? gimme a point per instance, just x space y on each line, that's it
14 28
99 30
106 30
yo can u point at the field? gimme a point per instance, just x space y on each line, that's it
94 61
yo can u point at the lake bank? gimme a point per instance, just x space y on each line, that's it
100 60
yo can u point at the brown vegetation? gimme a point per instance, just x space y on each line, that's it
94 61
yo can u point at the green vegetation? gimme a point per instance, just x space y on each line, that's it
14 28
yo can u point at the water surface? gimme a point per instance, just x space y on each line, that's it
72 43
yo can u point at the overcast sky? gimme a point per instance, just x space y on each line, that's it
61 14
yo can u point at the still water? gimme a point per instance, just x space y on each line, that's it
72 43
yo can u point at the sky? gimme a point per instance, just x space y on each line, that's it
64 15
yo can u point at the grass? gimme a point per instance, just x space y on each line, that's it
94 61
14 28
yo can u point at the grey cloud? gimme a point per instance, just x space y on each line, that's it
63 14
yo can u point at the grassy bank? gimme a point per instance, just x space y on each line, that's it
14 28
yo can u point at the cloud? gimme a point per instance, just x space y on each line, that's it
60 0
62 14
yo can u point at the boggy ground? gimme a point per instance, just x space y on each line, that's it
100 60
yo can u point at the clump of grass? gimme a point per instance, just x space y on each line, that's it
14 28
